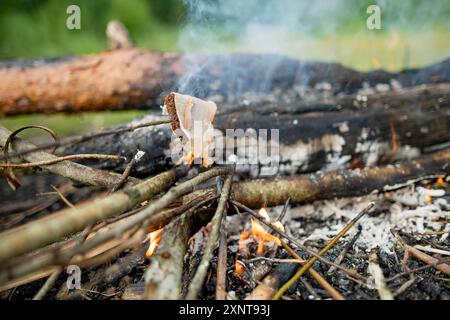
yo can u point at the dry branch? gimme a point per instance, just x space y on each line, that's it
197 281
64 223
341 183
221 285
71 170
443 267
89 136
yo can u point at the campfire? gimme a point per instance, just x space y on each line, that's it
325 183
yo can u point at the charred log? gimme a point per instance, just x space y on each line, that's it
351 131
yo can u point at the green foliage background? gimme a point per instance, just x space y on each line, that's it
30 28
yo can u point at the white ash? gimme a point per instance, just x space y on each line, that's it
139 155
404 210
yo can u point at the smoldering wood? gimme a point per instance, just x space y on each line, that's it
163 276
163 279
354 132
133 78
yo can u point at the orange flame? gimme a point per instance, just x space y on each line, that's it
260 235
155 238
428 199
187 159
440 182
239 268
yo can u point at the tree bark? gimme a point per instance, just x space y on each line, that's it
133 78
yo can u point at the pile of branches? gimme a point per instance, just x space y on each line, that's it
98 231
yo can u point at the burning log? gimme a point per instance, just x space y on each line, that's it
163 277
132 78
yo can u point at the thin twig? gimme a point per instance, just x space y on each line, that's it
47 285
221 277
443 267
311 261
60 159
310 289
221 285
68 169
127 171
9 173
321 280
284 211
199 277
427 266
341 256
63 197
85 137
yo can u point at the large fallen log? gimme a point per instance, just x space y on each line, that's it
132 78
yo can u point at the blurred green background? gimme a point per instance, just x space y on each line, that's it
415 33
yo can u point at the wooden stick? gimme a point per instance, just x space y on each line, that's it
199 277
60 159
71 170
127 171
443 267
86 137
52 228
321 280
221 285
47 285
